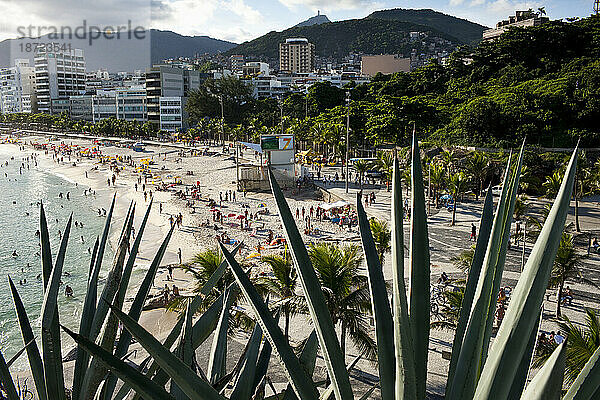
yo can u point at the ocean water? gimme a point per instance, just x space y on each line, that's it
20 191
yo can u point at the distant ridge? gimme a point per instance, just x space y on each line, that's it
316 20
462 29
382 32
123 54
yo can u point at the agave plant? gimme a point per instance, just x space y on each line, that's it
477 370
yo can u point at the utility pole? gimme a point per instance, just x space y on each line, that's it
222 119
347 136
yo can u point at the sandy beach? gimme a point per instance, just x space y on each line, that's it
213 176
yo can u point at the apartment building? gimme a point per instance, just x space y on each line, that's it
296 55
17 88
58 75
167 82
521 19
173 117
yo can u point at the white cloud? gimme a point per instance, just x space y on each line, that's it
509 7
475 3
456 2
232 20
329 5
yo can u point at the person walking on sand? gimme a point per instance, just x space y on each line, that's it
170 271
179 255
160 208
171 220
473 233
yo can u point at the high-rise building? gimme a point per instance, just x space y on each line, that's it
58 75
296 55
17 88
168 82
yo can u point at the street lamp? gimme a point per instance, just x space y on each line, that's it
347 136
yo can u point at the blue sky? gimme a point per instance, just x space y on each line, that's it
240 20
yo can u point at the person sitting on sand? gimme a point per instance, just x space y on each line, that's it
14 254
69 291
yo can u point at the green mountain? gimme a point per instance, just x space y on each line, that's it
462 29
337 39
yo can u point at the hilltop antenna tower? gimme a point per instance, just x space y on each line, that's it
596 7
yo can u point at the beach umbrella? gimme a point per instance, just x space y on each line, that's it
241 216
231 215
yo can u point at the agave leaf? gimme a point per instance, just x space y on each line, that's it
53 371
510 343
218 352
327 393
187 380
474 346
244 387
201 330
368 393
420 307
523 371
185 352
332 353
85 323
134 378
109 324
33 353
7 380
308 358
547 383
405 384
138 303
512 196
262 365
587 383
46 251
382 314
301 382
110 288
18 354
485 228
105 232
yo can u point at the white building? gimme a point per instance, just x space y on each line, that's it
172 113
58 75
17 87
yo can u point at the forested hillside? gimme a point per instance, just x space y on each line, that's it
541 83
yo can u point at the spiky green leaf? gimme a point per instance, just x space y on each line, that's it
332 353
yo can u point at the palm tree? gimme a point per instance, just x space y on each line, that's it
477 165
581 344
552 184
385 164
437 181
382 235
567 265
202 266
457 185
283 286
361 167
346 292
464 260
521 207
448 161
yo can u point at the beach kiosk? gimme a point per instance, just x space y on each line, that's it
280 153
